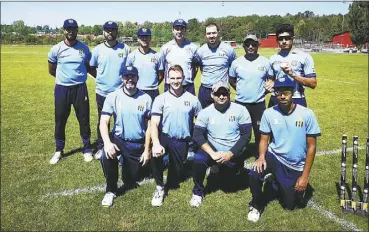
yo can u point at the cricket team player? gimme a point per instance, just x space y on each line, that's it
172 119
147 61
290 155
107 61
131 134
222 130
250 75
179 51
214 58
298 65
69 64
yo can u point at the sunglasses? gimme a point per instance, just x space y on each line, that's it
286 38
219 93
252 43
285 93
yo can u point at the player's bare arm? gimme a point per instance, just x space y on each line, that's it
260 163
309 82
52 69
145 157
109 147
302 181
157 149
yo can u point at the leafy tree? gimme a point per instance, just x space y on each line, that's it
358 22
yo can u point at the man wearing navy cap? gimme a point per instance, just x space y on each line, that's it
290 154
147 61
106 63
222 130
131 134
69 64
179 51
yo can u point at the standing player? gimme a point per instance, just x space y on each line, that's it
291 153
131 108
106 63
69 63
147 61
298 65
179 51
173 113
249 75
222 131
214 59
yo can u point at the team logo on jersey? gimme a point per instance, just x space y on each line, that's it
81 51
262 68
299 123
222 54
232 118
141 107
120 54
154 60
187 103
294 63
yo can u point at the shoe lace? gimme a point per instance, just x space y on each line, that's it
158 193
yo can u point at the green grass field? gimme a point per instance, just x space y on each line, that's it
340 103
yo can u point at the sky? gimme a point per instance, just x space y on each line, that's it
91 13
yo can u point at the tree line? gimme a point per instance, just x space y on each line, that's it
308 27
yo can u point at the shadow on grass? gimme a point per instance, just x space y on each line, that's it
78 150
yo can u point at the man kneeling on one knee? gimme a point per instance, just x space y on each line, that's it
222 131
290 154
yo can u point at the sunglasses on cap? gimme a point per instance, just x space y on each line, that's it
252 43
221 92
286 38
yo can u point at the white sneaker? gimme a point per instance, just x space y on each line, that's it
88 156
158 196
268 177
56 157
196 201
98 154
108 199
253 215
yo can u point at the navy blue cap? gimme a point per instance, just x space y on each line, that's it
70 23
284 82
144 32
129 70
111 25
180 22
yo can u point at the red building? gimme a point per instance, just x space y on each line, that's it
343 39
269 42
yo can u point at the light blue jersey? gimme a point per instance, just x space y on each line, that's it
301 63
131 113
214 63
223 129
109 63
147 65
172 54
177 113
71 63
289 134
251 77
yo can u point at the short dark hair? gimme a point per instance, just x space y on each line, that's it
177 68
284 27
211 24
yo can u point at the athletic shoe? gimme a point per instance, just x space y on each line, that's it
98 154
158 196
88 156
56 157
196 201
253 215
108 199
268 177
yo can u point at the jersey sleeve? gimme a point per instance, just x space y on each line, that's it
232 71
265 127
312 126
198 107
148 107
108 108
197 57
162 58
158 64
94 55
232 56
202 119
244 118
130 59
157 107
270 73
87 55
52 56
309 69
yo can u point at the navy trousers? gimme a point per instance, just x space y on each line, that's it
189 88
285 179
177 152
130 154
205 96
65 97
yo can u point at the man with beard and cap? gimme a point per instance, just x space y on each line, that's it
131 134
147 61
251 75
214 59
290 154
106 63
297 64
222 130
69 64
179 51
173 113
